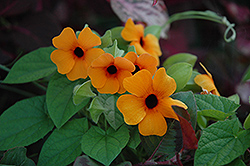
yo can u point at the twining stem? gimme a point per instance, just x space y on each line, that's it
4 68
206 15
16 90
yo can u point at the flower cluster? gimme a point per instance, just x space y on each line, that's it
149 102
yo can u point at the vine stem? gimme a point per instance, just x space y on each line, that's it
205 15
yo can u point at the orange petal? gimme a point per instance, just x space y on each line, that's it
206 70
111 86
92 54
131 56
163 84
205 82
153 124
64 60
87 39
98 76
79 70
120 76
132 32
165 107
139 84
66 40
124 64
138 47
146 61
103 60
151 45
132 108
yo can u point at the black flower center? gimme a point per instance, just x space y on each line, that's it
151 101
78 52
137 68
112 69
141 41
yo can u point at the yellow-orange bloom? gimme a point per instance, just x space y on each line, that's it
74 55
149 101
206 82
143 44
107 73
144 61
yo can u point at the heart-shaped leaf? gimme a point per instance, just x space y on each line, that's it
24 123
104 146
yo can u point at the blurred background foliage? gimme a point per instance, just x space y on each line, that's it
26 25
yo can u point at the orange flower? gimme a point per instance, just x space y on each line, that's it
149 101
73 56
144 61
107 73
206 82
143 44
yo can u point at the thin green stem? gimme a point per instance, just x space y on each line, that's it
16 90
39 86
4 68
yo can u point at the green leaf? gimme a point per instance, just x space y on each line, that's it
247 122
111 112
116 35
154 30
221 143
84 160
16 156
180 57
106 39
134 140
181 72
82 92
202 121
213 102
189 100
59 98
236 162
246 75
24 123
114 50
104 146
235 98
32 66
64 144
96 109
215 114
191 85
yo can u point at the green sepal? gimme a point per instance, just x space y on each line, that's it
82 92
106 39
96 109
154 30
114 50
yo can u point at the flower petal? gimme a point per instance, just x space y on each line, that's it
163 84
165 107
139 84
121 76
131 56
124 64
132 32
92 54
87 39
205 82
103 60
98 76
138 47
64 60
151 45
146 61
132 108
79 70
66 40
153 124
111 86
